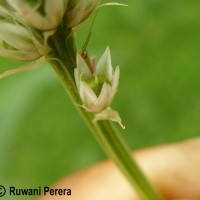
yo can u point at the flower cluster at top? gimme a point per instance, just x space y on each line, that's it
26 25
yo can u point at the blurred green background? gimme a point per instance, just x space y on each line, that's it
157 45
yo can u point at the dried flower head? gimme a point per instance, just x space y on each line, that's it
41 14
97 87
19 42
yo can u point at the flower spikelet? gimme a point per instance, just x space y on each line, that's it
97 87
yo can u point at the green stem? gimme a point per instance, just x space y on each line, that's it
104 131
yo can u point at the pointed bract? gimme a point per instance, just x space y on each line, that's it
115 79
104 66
87 95
83 69
109 114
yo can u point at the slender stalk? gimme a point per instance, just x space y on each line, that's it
104 131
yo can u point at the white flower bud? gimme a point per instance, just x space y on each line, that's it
98 86
80 12
44 15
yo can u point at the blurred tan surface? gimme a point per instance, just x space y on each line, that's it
174 169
